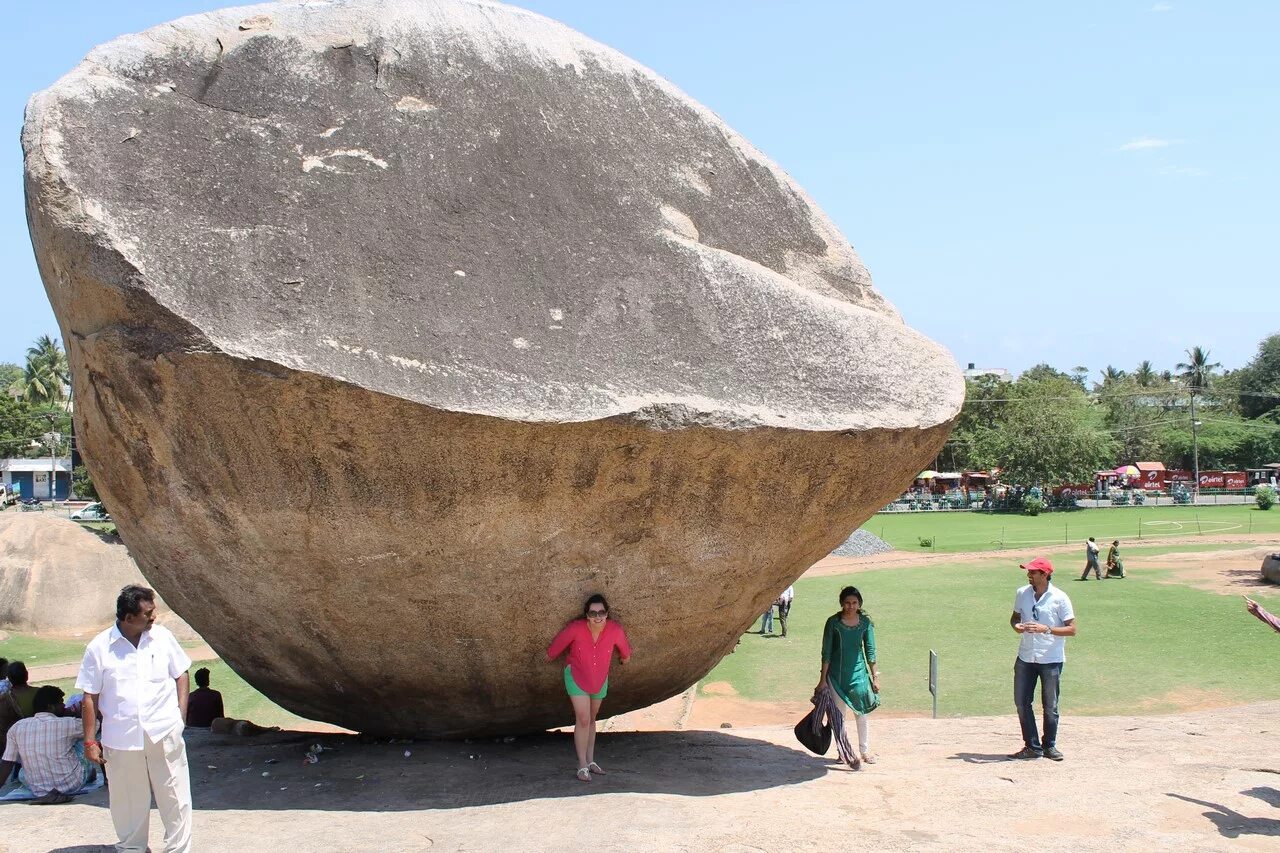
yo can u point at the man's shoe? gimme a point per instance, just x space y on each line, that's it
1025 754
1053 754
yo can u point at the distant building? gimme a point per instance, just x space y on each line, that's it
998 372
29 478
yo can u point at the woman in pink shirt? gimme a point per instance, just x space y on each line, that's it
590 641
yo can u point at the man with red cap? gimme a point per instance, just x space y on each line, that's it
1042 615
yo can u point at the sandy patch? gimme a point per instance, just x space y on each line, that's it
719 688
1224 572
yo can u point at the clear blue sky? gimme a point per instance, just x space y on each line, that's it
1092 182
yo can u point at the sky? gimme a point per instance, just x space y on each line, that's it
1088 183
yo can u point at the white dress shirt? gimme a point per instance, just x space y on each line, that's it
135 686
1052 609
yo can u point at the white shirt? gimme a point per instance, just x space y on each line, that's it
135 686
43 746
788 594
1052 609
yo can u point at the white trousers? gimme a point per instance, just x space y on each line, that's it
864 735
159 768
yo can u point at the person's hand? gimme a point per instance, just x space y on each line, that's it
875 683
1021 627
93 752
1250 605
1047 629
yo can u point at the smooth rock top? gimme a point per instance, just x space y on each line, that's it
472 207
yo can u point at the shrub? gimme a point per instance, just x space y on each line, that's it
1032 505
1265 497
926 543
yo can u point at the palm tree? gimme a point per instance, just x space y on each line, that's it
1145 375
1197 371
47 374
1111 375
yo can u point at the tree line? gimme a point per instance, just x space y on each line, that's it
1052 427
35 408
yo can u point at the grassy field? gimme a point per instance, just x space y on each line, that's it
975 531
38 651
1143 647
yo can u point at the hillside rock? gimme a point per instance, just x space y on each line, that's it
57 577
398 328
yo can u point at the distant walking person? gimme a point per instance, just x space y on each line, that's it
1042 615
1091 560
1115 565
784 606
135 673
849 664
590 642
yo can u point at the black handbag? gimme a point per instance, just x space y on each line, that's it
813 734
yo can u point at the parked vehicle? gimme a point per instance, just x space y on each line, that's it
32 505
93 512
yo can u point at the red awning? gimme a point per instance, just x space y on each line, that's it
1144 467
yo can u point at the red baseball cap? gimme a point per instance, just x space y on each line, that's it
1039 564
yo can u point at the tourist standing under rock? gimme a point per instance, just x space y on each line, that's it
204 705
849 664
1043 616
590 642
135 673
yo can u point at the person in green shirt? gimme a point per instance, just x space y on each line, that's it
849 663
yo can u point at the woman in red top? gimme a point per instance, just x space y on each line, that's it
590 641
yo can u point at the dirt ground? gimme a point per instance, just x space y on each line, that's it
714 772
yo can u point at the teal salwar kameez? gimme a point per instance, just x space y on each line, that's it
848 651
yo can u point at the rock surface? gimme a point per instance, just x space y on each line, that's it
57 577
398 328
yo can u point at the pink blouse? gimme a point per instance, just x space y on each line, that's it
589 659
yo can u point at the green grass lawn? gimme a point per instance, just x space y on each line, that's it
39 651
975 531
1141 645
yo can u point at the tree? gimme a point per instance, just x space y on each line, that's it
1047 433
47 375
1135 416
1110 376
1145 375
1260 380
1197 371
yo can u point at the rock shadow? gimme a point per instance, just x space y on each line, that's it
269 772
1231 823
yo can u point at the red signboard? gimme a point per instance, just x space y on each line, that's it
1212 480
1153 480
1234 480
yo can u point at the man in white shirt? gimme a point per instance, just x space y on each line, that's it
135 673
1043 616
45 747
1091 560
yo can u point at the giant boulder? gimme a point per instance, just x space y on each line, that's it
398 328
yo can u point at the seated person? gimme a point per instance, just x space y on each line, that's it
45 747
203 705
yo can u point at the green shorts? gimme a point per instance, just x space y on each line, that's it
574 690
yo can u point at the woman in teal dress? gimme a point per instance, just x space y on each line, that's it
849 663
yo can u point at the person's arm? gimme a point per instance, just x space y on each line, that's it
1257 610
184 691
217 705
89 716
560 643
869 647
826 655
1016 623
6 767
1066 630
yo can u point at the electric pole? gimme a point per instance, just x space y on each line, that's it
1195 452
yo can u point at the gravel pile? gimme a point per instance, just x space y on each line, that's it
862 544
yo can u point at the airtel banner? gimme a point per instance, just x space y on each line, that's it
1212 480
1234 480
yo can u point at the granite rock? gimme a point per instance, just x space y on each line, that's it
397 328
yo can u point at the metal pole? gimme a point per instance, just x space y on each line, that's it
933 680
1195 452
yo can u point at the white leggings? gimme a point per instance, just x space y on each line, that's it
864 737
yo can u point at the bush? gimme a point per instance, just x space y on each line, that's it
926 543
1265 497
82 484
1032 505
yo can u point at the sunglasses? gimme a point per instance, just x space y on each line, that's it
599 613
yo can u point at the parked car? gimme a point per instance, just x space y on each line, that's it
93 512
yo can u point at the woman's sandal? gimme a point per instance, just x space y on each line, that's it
584 774
595 768
868 758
